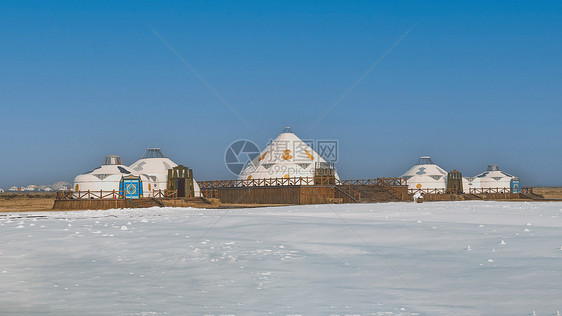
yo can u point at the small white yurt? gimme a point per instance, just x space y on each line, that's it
154 165
426 175
104 178
493 178
1 190
14 189
287 156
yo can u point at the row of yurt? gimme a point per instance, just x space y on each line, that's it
287 156
427 176
151 172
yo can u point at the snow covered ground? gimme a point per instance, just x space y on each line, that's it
450 258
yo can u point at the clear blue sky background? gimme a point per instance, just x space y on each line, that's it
473 83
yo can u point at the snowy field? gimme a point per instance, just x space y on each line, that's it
446 258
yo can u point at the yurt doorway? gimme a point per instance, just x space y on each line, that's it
131 187
180 184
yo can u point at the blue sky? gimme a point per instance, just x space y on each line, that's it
473 83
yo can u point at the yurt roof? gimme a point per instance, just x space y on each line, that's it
494 172
153 161
286 156
112 167
425 167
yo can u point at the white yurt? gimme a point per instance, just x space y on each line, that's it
104 178
426 175
13 189
287 156
154 165
493 178
469 183
1 190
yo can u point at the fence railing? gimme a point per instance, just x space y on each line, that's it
473 191
489 190
114 194
217 184
427 191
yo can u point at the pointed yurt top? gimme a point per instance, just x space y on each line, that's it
287 156
425 167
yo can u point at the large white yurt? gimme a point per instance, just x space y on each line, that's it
154 165
493 178
426 175
104 178
287 156
1 190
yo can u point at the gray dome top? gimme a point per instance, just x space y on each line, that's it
153 153
493 168
287 129
425 160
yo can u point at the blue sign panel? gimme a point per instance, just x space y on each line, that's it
515 186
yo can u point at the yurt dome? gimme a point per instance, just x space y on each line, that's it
104 178
425 174
287 156
494 178
154 165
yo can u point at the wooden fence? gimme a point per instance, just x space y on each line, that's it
217 184
114 194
